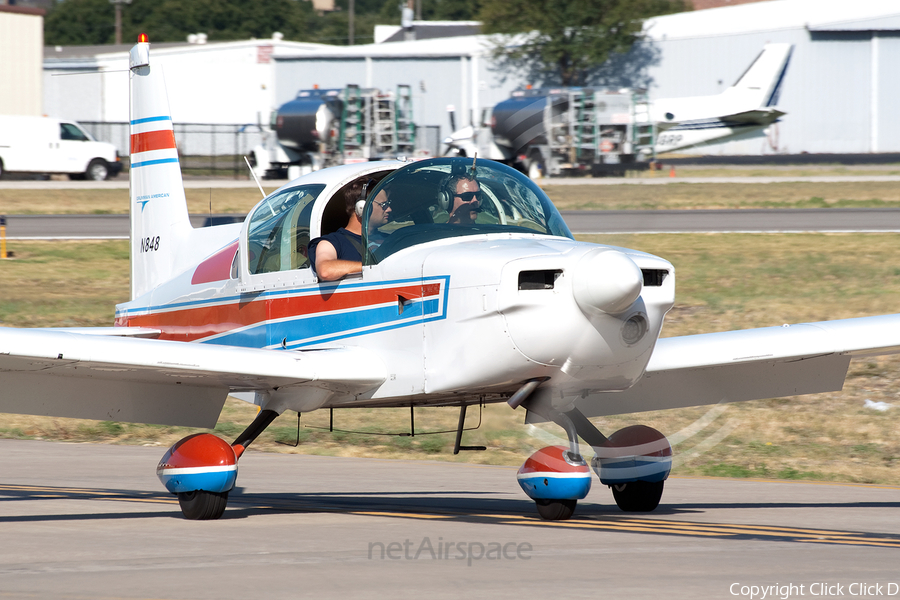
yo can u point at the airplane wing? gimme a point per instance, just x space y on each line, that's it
94 376
751 364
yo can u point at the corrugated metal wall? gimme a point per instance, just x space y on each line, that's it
21 58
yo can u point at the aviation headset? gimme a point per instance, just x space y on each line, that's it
361 201
447 189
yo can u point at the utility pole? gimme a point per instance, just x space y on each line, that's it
118 4
350 15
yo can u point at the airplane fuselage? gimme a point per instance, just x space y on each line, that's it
446 317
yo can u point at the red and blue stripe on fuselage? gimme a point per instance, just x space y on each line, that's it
298 317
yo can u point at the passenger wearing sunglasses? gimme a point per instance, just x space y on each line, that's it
466 201
339 253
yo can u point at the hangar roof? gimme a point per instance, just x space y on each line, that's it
814 15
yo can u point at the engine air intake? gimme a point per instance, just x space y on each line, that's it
654 277
538 280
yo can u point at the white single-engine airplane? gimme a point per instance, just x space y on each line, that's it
508 308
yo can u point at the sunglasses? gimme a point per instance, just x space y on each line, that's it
469 196
384 205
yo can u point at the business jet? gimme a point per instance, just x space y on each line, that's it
741 111
502 306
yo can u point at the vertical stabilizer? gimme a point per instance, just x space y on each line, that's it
762 80
160 226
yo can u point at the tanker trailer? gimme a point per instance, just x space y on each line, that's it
304 134
321 128
565 131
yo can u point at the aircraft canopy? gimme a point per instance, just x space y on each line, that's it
422 205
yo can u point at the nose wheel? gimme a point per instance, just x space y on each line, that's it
200 505
555 510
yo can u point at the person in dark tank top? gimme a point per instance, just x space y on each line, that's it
339 253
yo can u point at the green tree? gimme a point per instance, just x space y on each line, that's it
563 41
78 22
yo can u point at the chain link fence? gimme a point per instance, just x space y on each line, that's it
203 148
219 150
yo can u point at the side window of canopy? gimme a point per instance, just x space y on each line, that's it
279 230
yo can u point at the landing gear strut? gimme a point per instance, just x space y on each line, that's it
555 477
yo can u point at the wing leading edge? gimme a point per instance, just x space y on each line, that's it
67 374
751 364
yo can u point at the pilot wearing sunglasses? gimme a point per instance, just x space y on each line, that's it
381 210
465 202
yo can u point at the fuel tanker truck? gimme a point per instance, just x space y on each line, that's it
325 127
564 131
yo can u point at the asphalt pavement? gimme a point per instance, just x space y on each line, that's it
92 521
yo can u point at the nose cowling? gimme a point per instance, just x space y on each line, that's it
606 281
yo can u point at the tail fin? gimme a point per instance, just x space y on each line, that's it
762 80
160 225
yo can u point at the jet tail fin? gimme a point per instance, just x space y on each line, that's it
763 78
160 224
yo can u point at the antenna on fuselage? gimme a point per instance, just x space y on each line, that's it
259 185
255 178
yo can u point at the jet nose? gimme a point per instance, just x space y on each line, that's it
606 281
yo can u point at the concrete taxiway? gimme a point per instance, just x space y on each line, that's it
92 521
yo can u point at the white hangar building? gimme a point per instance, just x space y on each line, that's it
839 91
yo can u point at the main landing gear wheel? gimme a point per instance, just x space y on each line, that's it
555 510
638 496
200 505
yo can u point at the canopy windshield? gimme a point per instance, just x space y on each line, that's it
451 197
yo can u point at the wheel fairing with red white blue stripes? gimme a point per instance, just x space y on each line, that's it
547 475
634 453
198 462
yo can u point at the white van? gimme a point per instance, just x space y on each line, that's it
45 145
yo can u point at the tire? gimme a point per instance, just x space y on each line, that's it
201 505
638 496
555 510
2 170
98 170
